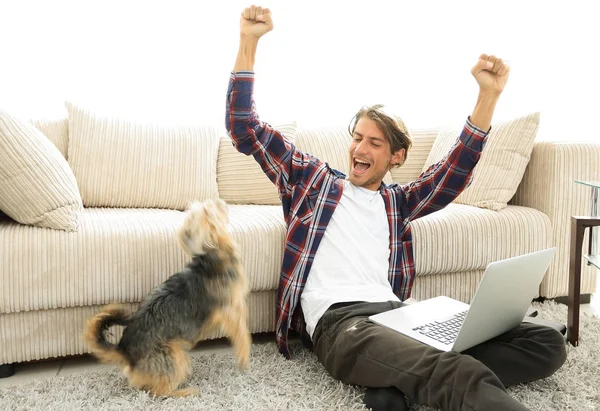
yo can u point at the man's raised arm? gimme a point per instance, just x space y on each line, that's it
254 23
247 132
444 181
491 73
275 154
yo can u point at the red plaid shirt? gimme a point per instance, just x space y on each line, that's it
310 190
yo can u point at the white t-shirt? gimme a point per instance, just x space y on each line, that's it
352 261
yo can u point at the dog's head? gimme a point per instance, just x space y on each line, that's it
205 227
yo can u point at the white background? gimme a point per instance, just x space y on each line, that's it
170 60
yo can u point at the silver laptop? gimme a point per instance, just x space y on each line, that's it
499 304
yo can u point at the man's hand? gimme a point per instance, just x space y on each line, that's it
255 22
491 74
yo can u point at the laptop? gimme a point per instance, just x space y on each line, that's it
500 303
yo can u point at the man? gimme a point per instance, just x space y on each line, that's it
348 251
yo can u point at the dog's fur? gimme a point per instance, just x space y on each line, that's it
209 293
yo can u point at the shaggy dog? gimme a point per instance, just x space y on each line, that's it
209 293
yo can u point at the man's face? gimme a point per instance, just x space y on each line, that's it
370 155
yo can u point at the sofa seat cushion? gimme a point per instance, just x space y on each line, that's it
462 237
118 255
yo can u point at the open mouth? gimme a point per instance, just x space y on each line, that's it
360 166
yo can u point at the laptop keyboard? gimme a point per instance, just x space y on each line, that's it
443 331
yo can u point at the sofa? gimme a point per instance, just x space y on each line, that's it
91 204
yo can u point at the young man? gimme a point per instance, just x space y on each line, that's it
348 251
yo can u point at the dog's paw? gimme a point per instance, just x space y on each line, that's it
244 363
243 358
243 345
184 392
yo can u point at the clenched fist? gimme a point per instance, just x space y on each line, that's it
255 22
491 74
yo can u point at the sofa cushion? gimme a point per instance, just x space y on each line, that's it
240 178
37 186
36 335
462 238
460 285
500 169
422 141
119 254
120 163
57 131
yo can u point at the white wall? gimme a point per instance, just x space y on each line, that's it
171 59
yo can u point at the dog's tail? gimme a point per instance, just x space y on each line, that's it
95 336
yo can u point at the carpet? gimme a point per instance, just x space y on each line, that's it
274 383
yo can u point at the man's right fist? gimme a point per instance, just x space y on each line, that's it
255 21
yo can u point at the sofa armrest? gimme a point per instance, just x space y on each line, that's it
549 186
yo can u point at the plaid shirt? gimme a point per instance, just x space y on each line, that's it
310 190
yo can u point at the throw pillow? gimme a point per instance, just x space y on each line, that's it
500 169
122 163
57 131
37 186
422 142
240 178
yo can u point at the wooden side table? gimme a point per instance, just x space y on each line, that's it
578 226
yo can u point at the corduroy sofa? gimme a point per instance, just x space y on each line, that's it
116 190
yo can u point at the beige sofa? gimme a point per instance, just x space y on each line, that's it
135 179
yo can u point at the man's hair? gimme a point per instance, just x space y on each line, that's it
391 126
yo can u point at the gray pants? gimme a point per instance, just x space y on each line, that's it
359 352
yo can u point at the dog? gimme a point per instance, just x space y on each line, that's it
208 294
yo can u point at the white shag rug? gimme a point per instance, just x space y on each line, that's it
274 383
